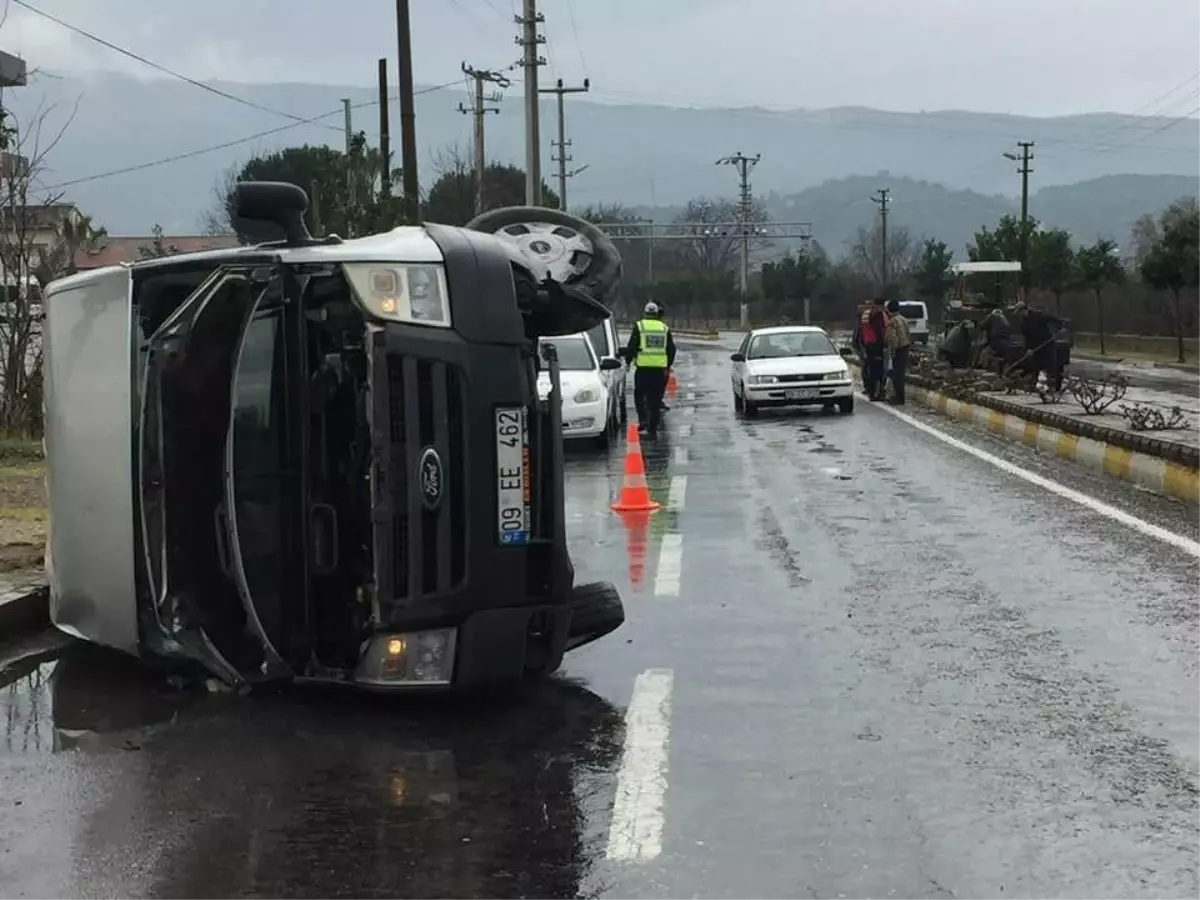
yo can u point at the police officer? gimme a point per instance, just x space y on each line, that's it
651 349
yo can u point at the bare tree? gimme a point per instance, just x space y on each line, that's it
866 253
33 223
218 220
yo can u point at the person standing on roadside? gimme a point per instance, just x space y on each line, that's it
651 349
899 341
874 334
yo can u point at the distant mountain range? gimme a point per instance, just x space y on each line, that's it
945 167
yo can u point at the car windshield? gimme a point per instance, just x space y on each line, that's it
791 343
912 310
574 354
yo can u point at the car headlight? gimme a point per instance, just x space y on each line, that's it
415 293
840 375
587 395
763 379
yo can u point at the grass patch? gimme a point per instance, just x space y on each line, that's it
18 451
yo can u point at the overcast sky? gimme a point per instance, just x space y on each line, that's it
1037 57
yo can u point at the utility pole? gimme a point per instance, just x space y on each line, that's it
883 198
744 166
408 118
479 109
530 61
1025 158
385 145
562 143
349 168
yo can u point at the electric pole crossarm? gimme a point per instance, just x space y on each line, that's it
479 109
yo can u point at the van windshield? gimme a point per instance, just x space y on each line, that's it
912 310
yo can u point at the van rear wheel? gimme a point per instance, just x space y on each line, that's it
596 610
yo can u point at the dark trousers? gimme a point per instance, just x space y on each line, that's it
899 374
873 373
1047 360
648 388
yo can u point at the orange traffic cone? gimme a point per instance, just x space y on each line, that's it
635 494
672 384
637 527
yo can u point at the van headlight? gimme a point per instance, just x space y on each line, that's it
415 658
764 379
415 293
837 376
587 395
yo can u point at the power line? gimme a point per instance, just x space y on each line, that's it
200 151
161 68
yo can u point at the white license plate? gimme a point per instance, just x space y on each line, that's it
802 394
512 476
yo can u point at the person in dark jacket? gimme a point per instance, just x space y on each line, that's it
899 342
873 336
651 350
1041 331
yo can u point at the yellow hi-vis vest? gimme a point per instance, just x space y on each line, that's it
652 349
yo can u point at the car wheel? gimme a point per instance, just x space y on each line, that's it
604 440
749 410
846 404
737 403
827 407
624 406
571 249
596 610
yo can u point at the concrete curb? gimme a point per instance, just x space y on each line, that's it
24 607
1103 450
698 335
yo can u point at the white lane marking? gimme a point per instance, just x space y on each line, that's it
685 430
681 456
670 566
1098 506
689 410
637 818
676 492
691 395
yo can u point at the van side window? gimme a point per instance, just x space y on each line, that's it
599 336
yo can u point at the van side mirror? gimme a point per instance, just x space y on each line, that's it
609 363
738 357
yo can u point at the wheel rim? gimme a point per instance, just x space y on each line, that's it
564 252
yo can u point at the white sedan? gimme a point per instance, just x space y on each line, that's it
590 407
790 365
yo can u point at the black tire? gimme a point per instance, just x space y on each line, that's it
602 280
624 407
605 441
596 610
749 410
846 405
738 406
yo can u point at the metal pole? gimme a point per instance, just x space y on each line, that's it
1026 156
883 199
408 117
529 41
744 165
385 149
562 150
349 210
480 158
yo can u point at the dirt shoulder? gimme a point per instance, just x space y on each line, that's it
23 515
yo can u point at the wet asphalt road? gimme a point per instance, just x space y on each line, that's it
861 663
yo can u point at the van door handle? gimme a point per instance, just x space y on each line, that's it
224 553
323 519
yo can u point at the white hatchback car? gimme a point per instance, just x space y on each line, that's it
590 408
790 365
